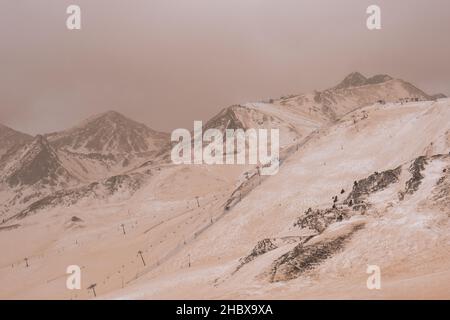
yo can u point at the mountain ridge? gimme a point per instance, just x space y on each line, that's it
108 132
36 162
356 79
11 138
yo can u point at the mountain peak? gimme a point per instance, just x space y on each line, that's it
111 114
379 78
356 79
108 133
355 76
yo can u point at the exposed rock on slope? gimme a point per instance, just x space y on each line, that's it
305 257
374 183
11 139
267 245
311 251
356 79
441 194
51 166
36 163
319 219
416 168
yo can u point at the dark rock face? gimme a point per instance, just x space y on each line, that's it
253 180
415 169
319 220
306 257
39 163
10 227
354 79
373 183
261 247
226 119
113 184
379 78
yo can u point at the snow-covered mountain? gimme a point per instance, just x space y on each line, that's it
108 133
261 115
107 144
369 189
356 79
101 147
363 181
30 171
297 116
353 92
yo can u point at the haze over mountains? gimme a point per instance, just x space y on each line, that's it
364 180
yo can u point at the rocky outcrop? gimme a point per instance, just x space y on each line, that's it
375 182
379 78
74 223
267 245
319 219
414 182
305 257
261 248
228 118
441 193
36 163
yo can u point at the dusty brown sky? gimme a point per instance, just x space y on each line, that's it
168 62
